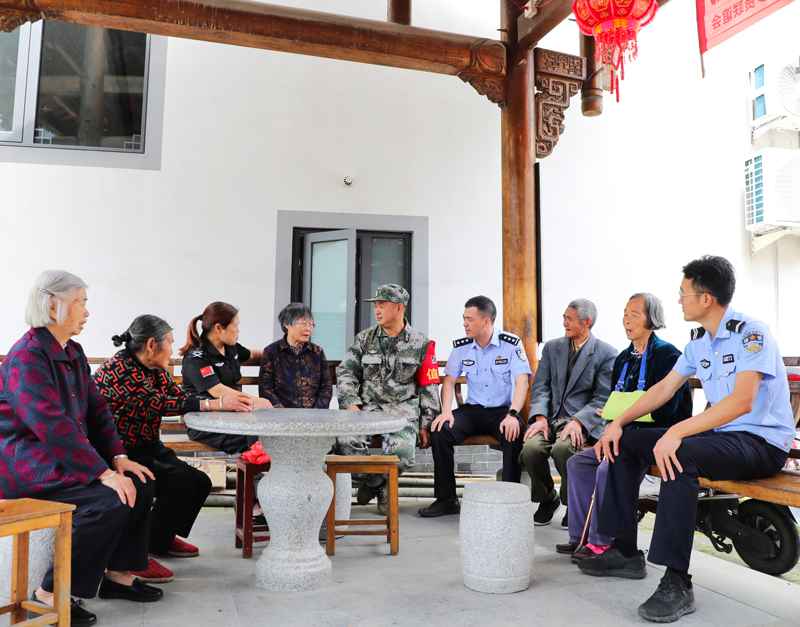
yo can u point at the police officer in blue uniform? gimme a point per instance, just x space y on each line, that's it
746 433
497 372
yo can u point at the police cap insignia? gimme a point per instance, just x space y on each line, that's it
462 342
753 341
509 338
698 333
735 325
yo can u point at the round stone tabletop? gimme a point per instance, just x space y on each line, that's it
296 422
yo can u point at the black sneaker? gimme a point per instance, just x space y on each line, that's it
671 600
544 515
565 521
365 494
612 563
440 507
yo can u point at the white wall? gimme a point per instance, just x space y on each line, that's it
250 132
657 180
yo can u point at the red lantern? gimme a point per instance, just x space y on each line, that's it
614 25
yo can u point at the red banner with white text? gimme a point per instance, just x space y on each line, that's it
718 20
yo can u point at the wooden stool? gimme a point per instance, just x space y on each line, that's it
18 518
364 464
246 533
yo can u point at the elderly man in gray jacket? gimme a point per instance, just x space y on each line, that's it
572 381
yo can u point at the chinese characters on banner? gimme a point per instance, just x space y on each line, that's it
718 20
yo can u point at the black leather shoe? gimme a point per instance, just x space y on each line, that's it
259 520
440 507
568 547
582 553
78 617
137 591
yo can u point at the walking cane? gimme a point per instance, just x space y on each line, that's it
585 534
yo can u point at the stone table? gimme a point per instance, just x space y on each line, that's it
295 494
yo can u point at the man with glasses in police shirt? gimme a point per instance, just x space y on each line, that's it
746 433
389 367
497 371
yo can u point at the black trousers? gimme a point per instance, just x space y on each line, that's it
180 492
471 420
231 444
106 534
717 456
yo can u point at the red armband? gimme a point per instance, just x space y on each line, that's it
428 372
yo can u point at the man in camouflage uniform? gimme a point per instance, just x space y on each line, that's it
389 367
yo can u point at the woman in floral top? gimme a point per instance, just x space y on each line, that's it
294 372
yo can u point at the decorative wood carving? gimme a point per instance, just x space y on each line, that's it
15 13
559 76
487 69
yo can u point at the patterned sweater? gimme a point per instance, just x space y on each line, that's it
55 426
287 379
139 397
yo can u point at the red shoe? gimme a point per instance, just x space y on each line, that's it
155 573
180 548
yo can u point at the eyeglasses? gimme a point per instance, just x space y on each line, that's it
305 325
681 295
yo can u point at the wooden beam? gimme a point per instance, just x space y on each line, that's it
520 295
274 27
399 12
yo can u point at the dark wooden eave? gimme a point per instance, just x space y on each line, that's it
275 27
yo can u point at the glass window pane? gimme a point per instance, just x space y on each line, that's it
388 262
329 296
9 53
761 107
91 87
759 77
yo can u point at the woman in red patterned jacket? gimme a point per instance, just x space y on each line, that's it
139 392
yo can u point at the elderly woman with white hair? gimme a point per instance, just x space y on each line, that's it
646 361
60 443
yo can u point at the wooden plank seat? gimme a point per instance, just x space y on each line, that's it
364 464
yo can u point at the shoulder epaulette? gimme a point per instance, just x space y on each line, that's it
511 339
698 333
462 342
735 325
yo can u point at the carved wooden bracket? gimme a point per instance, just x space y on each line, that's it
487 70
15 13
559 76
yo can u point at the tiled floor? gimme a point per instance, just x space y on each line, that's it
422 586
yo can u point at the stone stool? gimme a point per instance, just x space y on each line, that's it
49 525
364 464
496 537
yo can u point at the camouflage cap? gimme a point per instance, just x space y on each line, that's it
392 293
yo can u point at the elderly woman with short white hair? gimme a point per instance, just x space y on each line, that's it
60 443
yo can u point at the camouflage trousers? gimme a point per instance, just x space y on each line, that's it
401 443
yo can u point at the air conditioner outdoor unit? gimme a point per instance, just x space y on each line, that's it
772 190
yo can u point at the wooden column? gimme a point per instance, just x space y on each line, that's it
399 12
520 295
592 91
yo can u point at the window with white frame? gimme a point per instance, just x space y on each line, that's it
72 86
